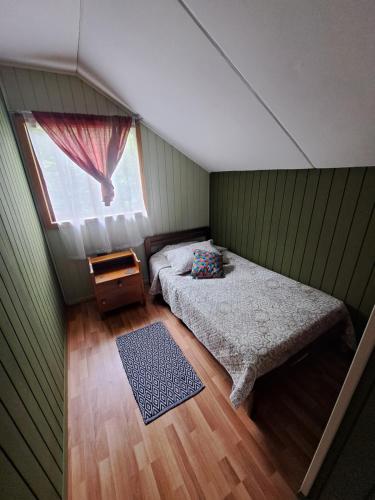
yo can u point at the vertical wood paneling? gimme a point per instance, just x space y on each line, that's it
261 202
230 181
344 223
316 226
304 223
31 333
234 209
328 227
240 211
317 217
177 189
362 274
267 215
275 218
293 222
13 483
362 218
253 213
246 213
286 208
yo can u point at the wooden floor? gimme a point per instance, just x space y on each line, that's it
201 449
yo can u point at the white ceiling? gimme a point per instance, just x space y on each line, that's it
40 32
235 85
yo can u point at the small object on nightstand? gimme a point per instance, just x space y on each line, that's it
117 279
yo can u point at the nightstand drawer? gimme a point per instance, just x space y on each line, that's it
118 286
117 293
109 302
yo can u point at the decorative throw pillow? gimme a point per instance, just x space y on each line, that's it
207 265
181 259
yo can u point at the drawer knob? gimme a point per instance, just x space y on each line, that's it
119 283
104 302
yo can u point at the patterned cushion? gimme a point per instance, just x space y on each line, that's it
181 259
207 265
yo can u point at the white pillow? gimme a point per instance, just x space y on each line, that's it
181 259
167 248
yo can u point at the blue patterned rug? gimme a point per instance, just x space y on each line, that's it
160 376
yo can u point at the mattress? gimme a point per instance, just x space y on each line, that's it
252 320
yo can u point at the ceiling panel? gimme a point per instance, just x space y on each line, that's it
155 58
42 33
312 62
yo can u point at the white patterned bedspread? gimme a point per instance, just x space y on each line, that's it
252 320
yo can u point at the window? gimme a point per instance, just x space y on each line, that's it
65 192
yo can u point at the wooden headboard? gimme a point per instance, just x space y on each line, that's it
155 243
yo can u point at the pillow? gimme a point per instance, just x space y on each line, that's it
204 245
207 265
167 248
181 259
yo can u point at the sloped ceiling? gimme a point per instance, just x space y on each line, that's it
235 85
40 33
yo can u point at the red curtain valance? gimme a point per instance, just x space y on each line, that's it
94 143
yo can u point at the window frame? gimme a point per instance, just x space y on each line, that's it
36 177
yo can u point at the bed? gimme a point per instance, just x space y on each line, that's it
253 320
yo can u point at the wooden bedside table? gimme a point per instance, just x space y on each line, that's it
117 279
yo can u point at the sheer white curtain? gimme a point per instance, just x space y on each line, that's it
86 225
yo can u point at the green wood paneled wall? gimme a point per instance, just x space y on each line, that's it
31 341
316 226
177 188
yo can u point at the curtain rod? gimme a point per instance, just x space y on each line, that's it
136 117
